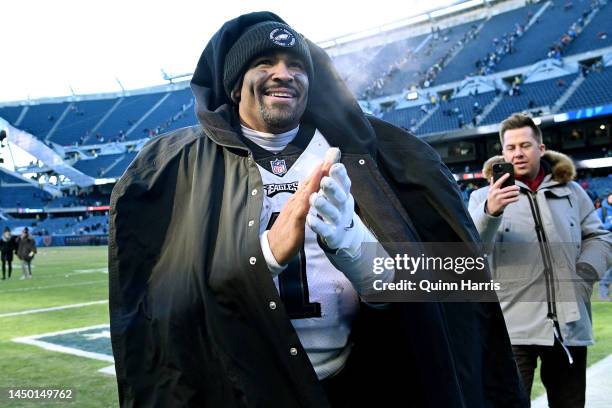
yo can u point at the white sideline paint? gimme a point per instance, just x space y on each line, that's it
110 370
33 340
27 289
52 309
598 389
95 270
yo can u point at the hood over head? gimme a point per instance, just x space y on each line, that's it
331 107
561 166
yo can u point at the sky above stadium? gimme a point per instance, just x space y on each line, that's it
54 48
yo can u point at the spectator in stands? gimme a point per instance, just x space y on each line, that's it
575 135
26 249
8 246
605 212
545 213
605 215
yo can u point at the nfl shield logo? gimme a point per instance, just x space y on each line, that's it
278 167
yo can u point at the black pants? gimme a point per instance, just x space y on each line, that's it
7 260
565 384
366 381
338 389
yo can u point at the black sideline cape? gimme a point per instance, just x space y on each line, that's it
191 323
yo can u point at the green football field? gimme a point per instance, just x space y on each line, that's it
54 333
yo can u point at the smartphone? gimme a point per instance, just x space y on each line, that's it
499 169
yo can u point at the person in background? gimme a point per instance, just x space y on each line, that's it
7 248
546 232
26 249
605 215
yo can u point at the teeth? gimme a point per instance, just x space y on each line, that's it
281 94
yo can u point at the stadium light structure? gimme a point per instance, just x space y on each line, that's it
455 8
171 78
402 23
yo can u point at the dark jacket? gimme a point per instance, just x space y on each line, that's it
190 292
7 248
25 247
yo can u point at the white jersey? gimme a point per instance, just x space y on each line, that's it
320 300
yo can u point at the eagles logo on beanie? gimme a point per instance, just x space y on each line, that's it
260 38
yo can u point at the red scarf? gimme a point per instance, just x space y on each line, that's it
535 183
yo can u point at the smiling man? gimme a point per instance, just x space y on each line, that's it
550 247
277 105
238 274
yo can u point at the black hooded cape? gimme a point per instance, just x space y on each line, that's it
191 322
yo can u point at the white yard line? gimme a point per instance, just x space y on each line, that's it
52 309
57 333
67 350
27 289
34 341
108 370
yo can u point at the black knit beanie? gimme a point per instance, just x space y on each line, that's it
262 37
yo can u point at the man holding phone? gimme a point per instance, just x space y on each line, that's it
550 248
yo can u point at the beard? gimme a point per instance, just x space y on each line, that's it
279 118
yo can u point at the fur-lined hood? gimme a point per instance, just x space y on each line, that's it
562 167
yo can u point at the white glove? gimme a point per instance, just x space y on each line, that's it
332 212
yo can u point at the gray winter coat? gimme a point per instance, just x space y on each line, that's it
537 268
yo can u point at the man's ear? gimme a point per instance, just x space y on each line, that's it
542 149
236 92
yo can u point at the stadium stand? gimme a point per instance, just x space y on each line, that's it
130 110
535 44
96 167
407 118
387 62
424 66
11 113
595 90
80 120
160 120
117 170
456 113
24 196
39 119
351 66
8 178
496 31
531 96
601 186
595 35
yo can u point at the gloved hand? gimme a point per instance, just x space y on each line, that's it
332 212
